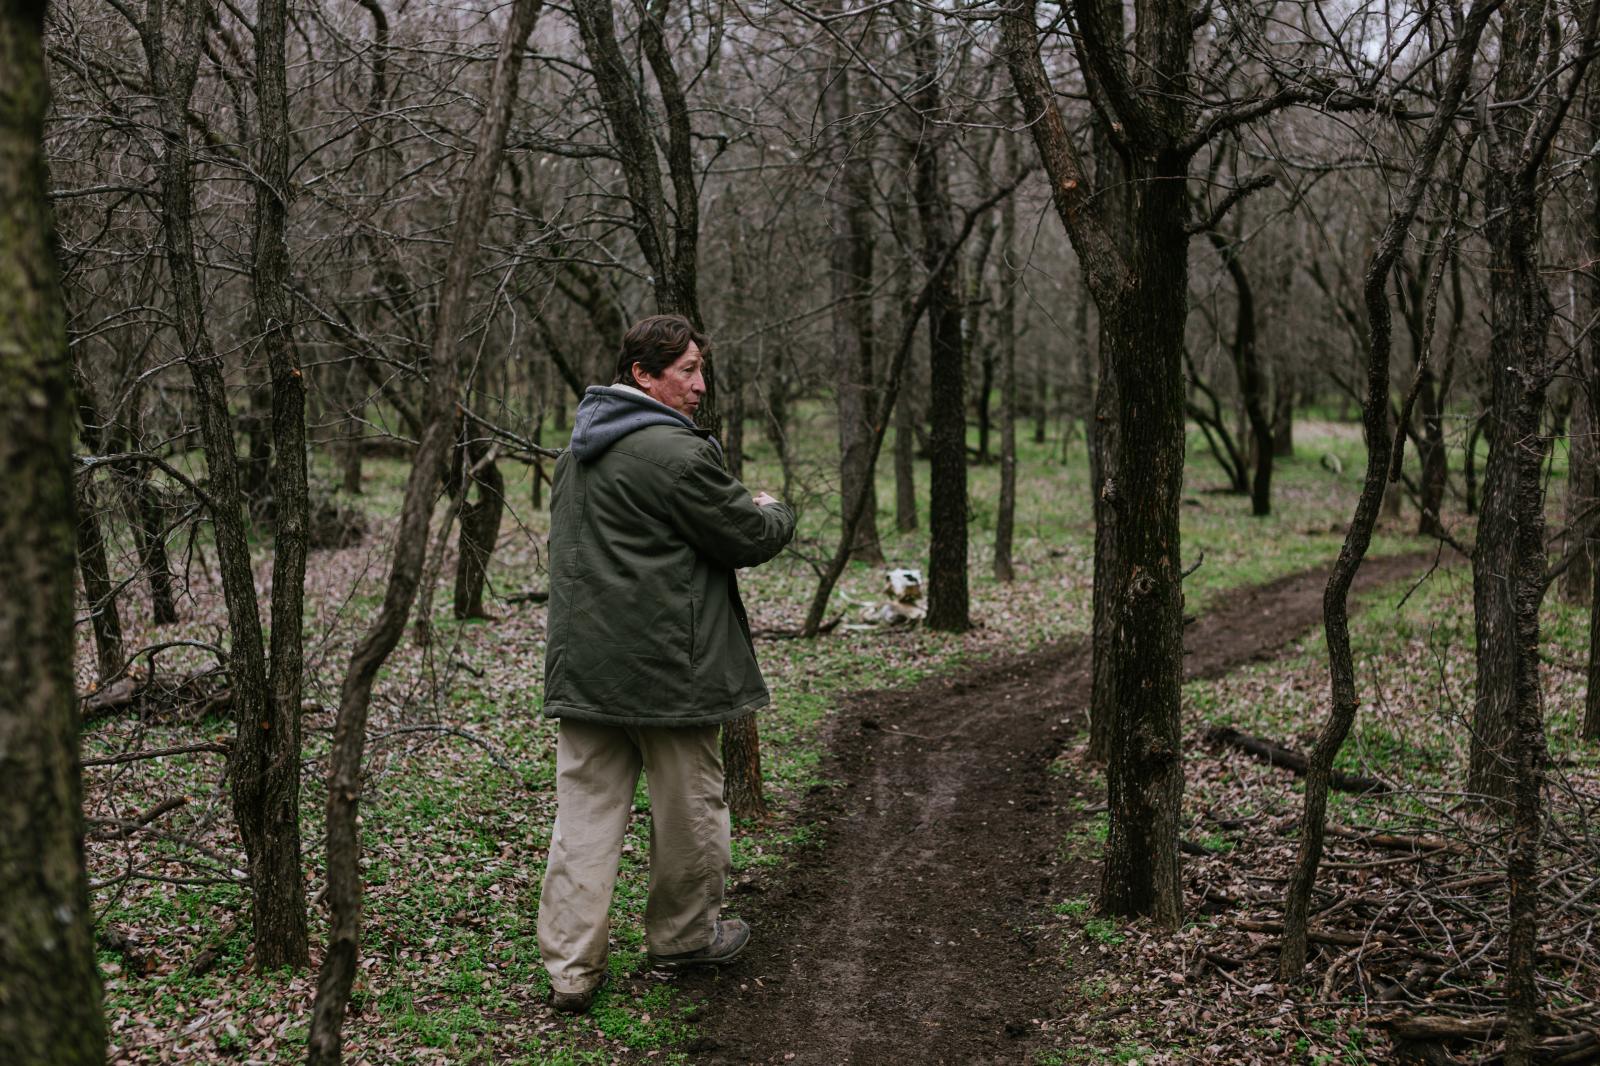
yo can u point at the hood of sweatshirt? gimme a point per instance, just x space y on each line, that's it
607 413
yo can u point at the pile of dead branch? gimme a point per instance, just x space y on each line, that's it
1408 923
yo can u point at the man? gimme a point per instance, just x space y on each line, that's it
649 653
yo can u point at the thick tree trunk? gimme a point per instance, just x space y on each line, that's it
264 766
410 547
1137 269
49 986
1144 770
741 769
947 509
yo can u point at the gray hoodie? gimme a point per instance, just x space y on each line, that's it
607 413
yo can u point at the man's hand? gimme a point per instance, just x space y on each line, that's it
762 499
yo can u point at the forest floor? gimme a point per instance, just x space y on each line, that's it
996 954
916 928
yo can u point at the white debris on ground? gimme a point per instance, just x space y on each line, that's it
903 588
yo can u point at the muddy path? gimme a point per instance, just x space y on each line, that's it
904 934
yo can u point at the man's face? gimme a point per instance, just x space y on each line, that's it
680 386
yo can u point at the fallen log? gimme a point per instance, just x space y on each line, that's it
1406 842
122 828
1289 759
221 747
113 697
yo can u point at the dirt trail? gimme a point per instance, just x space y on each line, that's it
904 935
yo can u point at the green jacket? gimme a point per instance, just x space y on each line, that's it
646 529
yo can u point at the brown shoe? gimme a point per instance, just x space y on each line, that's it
576 1002
732 935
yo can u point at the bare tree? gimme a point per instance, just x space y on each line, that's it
1161 108
1508 752
850 266
1375 415
439 420
264 765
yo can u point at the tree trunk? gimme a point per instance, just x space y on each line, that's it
1469 464
144 507
1252 384
1144 771
1381 467
1589 382
444 391
1508 751
732 385
1137 269
741 767
1006 343
1432 456
480 528
277 803
905 408
947 509
1580 497
1520 314
150 533
984 353
1100 428
850 197
264 765
49 985
349 450
104 620
1283 424
905 464
1040 401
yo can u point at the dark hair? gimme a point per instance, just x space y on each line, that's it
655 343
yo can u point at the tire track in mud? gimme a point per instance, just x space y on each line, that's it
904 933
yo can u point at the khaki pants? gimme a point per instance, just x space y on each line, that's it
597 768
